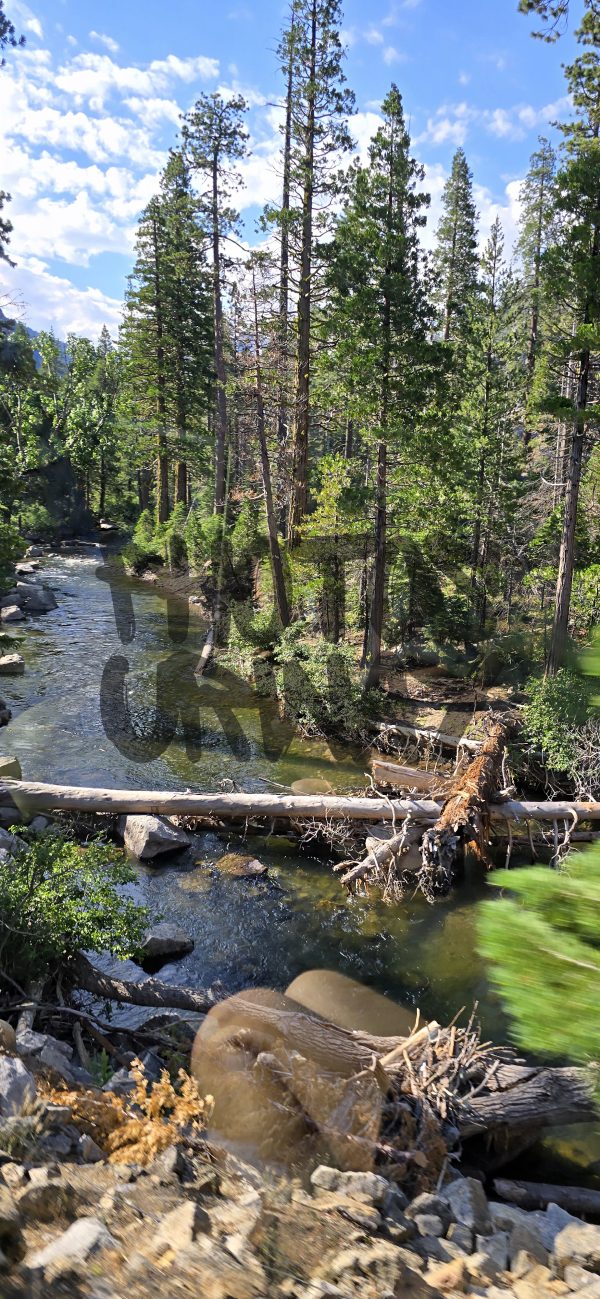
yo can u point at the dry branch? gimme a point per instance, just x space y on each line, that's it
152 992
537 1195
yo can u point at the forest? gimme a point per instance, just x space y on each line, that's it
334 487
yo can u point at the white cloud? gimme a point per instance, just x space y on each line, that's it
464 78
499 122
449 125
50 301
72 40
373 36
94 77
363 127
108 41
25 19
392 55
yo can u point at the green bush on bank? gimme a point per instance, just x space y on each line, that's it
319 684
558 706
11 548
58 898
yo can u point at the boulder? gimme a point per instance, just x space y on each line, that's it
24 570
11 613
34 552
39 824
17 1087
370 1185
578 1243
150 836
467 1203
428 1224
12 665
8 1037
41 1048
166 940
36 598
11 843
45 1201
84 1237
426 1203
11 767
241 866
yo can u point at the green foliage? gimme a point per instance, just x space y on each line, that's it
175 549
557 706
543 948
195 539
11 547
57 898
319 684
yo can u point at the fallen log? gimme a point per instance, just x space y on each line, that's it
464 816
526 1100
378 859
392 773
32 795
537 1195
427 735
152 992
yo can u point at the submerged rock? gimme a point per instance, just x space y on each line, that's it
241 865
36 598
149 836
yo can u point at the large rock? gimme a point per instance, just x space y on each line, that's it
36 598
579 1243
11 843
17 1087
149 836
84 1237
10 766
42 1049
34 552
24 570
12 665
468 1204
166 940
370 1185
182 1225
11 613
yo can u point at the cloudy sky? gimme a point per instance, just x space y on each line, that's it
89 108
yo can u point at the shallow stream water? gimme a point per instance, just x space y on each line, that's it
261 932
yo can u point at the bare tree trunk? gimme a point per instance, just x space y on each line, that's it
284 277
280 592
300 471
377 604
221 429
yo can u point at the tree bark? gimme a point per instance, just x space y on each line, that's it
299 497
149 993
221 428
531 1099
537 1195
277 573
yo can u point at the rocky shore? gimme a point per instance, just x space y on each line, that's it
200 1221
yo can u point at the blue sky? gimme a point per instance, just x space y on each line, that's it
90 106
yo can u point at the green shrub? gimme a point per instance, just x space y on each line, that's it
175 549
11 547
195 539
543 948
58 898
557 707
319 684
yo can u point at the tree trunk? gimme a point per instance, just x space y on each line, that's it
284 282
538 1195
221 428
280 592
377 604
302 416
566 561
181 483
149 993
162 463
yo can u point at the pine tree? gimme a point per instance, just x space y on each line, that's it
214 138
321 103
537 197
573 272
382 315
455 257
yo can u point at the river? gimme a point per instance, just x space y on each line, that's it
262 932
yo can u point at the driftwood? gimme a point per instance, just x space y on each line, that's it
388 853
392 773
537 1195
152 992
426 735
464 816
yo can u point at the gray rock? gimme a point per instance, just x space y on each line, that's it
149 836
525 1240
44 1049
11 843
34 552
166 939
46 1201
11 613
494 1249
12 665
24 570
467 1203
84 1237
506 1216
88 1150
121 1083
182 1225
579 1243
428 1224
430 1204
10 766
351 1184
17 1087
36 598
39 824
461 1236
8 1037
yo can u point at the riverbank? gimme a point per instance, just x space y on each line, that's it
204 1221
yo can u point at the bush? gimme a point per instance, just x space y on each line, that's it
56 899
557 707
175 549
11 547
144 548
543 949
195 539
319 684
